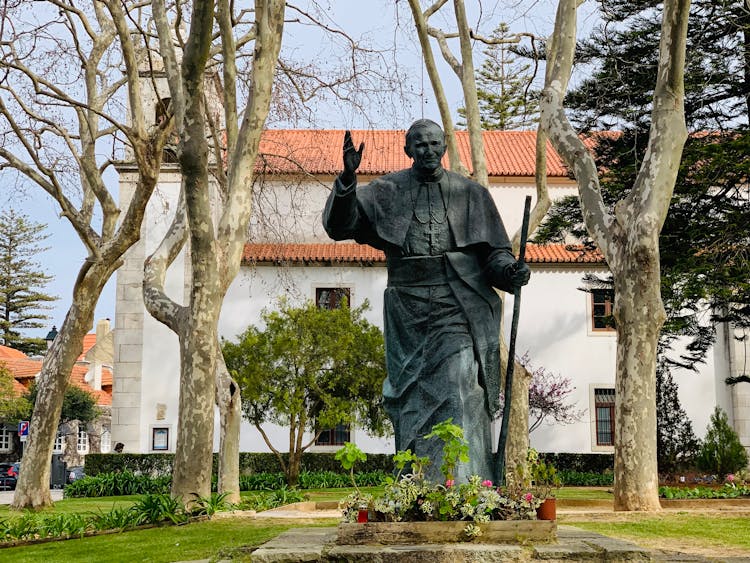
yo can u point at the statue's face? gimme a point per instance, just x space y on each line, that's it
426 145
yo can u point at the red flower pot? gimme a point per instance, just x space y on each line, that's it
547 510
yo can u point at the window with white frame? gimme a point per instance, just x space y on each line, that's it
604 409
105 444
82 444
602 301
6 439
59 446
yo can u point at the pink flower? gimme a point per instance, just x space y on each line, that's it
449 483
528 497
730 478
486 483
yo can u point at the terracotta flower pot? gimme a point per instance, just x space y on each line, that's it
547 510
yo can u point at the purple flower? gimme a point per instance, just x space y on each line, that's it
528 497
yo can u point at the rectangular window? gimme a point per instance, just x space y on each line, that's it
82 444
59 446
604 405
6 439
334 436
601 309
332 297
105 445
160 439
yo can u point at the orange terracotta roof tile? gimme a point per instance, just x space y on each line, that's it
88 342
8 352
24 370
19 388
293 151
350 252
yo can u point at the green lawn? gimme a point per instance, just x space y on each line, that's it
584 493
201 540
676 530
78 505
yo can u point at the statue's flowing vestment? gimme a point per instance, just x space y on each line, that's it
446 248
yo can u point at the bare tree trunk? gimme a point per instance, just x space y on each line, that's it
230 418
628 238
32 490
639 315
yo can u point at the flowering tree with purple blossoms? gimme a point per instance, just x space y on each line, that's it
547 394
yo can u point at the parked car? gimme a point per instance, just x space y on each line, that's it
75 473
8 476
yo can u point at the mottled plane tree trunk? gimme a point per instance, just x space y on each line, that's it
61 117
628 237
215 247
463 67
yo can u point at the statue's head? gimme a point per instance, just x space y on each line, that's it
425 144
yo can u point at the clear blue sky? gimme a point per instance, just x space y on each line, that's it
382 23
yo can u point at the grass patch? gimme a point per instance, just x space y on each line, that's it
200 540
678 530
77 505
584 493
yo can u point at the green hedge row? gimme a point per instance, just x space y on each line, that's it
257 462
582 463
250 463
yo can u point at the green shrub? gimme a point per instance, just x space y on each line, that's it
721 451
584 463
117 484
727 491
250 462
586 478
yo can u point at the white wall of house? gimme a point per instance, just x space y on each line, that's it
555 327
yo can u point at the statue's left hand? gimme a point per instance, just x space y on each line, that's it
521 274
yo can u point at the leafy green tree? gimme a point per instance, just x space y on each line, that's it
78 404
721 452
22 281
309 369
506 100
12 407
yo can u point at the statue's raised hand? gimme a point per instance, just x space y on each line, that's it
352 158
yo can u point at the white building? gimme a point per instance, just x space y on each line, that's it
289 254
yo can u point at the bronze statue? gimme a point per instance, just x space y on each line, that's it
446 248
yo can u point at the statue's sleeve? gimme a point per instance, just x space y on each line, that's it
343 216
498 267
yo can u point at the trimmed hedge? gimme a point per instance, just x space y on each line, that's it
581 463
250 463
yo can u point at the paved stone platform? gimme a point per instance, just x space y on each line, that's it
302 545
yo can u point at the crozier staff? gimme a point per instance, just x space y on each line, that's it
446 248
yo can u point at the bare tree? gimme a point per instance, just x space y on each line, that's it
463 66
628 237
215 248
65 69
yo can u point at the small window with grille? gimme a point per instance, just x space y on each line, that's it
604 405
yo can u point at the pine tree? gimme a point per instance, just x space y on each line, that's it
22 281
704 244
676 443
506 100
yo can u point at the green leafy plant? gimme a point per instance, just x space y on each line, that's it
721 451
349 456
152 509
544 477
455 446
210 505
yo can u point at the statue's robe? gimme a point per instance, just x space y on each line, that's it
446 248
